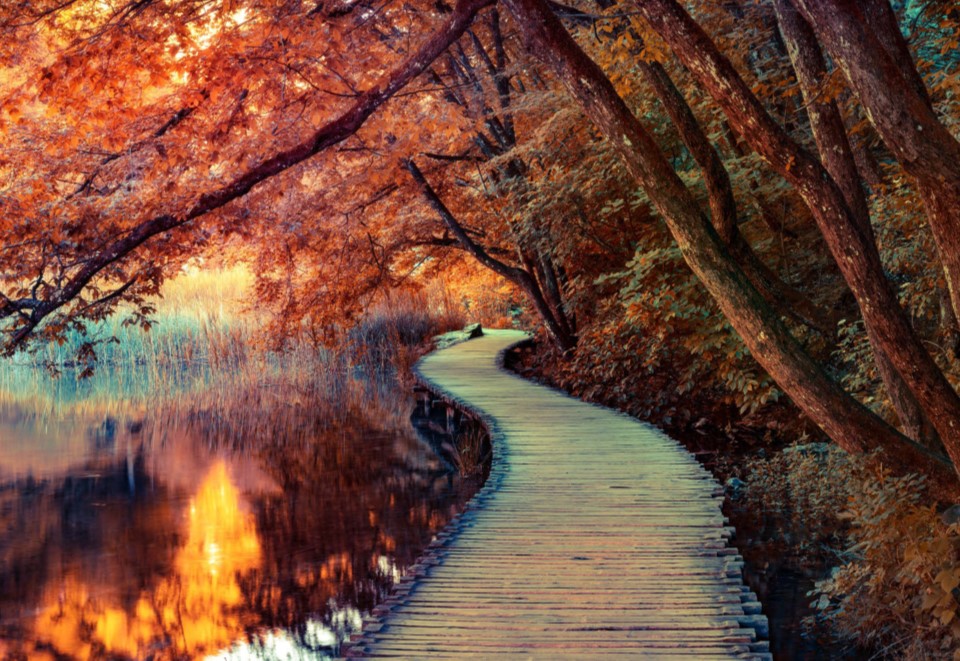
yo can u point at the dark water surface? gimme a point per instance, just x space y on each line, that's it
263 530
783 585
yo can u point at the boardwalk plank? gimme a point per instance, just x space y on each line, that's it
596 536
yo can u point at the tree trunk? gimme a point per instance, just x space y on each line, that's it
723 208
855 253
866 164
877 64
547 275
949 328
520 277
723 205
883 21
837 155
846 421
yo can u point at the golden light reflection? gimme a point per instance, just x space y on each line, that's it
222 543
191 613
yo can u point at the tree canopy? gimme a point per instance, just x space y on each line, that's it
744 199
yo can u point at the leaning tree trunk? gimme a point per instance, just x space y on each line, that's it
855 253
542 265
838 158
844 419
786 300
883 21
520 277
898 106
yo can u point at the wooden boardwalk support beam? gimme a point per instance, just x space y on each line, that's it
595 536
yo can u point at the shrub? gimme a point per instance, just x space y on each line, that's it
391 331
804 486
895 585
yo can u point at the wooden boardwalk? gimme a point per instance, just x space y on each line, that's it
595 536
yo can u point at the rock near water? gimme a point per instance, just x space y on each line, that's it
469 332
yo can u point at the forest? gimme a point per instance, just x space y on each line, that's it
736 220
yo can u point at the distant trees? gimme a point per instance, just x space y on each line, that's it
264 121
480 87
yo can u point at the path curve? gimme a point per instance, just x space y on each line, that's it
596 535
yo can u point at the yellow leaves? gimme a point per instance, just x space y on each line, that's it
832 87
317 115
287 33
949 579
113 141
216 92
70 141
654 49
50 110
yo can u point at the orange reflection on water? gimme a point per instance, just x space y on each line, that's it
222 543
80 626
193 612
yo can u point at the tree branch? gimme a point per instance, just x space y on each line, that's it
509 272
332 133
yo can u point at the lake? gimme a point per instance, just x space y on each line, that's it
232 520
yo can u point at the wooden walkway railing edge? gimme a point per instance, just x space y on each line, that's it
434 552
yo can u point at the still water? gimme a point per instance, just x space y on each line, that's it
261 523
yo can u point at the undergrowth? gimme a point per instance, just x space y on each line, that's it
896 563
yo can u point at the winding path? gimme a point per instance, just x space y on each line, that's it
596 535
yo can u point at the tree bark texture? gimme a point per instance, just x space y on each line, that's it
838 158
866 44
846 421
855 252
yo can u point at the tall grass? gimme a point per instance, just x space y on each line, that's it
471 449
393 331
201 318
204 352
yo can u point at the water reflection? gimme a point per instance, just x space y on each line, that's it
191 612
264 528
